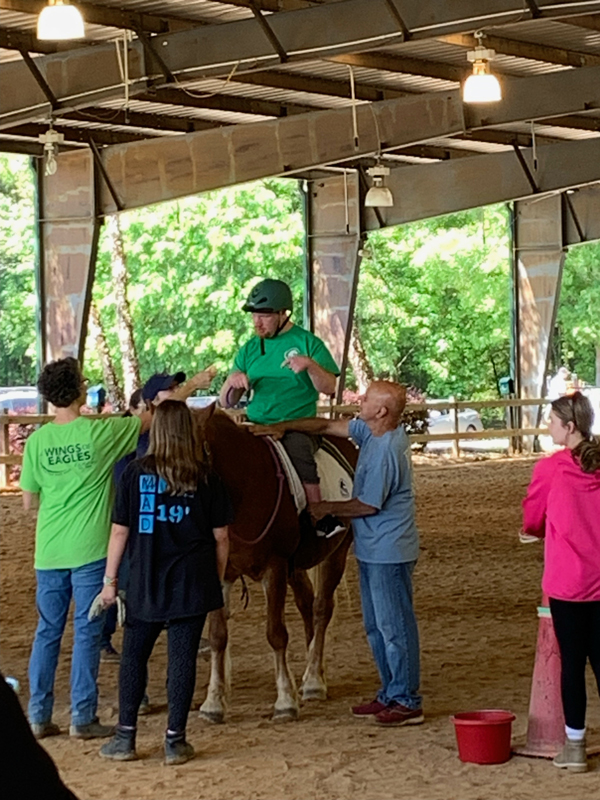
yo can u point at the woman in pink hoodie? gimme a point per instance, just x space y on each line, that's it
563 507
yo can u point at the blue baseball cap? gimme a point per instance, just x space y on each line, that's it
159 382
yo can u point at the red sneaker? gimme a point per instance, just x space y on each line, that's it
397 714
368 709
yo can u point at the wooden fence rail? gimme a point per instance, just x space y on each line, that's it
513 434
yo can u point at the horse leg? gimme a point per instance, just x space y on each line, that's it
304 597
274 584
329 573
213 708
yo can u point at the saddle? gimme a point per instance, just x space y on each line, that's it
336 474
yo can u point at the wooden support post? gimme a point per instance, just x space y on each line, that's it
4 447
334 238
456 442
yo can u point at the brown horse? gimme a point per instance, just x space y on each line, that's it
270 543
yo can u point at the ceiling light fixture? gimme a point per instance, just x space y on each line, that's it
379 195
481 86
60 21
51 140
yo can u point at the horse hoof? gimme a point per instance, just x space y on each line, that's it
316 693
285 715
216 717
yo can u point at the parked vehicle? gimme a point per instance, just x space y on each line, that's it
444 421
19 400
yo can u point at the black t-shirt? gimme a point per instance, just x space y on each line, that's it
171 546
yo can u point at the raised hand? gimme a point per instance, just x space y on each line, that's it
203 379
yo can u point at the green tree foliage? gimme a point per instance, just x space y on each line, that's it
17 276
578 319
432 310
433 306
192 264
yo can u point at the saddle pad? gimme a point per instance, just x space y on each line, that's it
336 482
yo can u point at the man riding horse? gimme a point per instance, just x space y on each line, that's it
286 367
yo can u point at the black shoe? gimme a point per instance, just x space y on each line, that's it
109 654
329 526
177 750
121 747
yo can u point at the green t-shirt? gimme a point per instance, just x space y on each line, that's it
71 467
278 392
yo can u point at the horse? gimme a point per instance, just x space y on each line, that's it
271 543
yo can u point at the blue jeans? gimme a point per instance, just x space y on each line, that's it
55 588
391 627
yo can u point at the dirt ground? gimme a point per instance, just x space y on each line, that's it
476 592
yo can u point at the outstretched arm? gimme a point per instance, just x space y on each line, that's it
345 509
316 425
201 380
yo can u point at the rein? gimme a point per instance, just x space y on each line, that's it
281 480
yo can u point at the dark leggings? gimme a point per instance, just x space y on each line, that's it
183 640
577 628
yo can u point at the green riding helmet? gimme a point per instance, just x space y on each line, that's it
268 297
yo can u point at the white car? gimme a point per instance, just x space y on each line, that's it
444 421
20 400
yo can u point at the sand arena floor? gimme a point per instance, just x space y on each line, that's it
476 594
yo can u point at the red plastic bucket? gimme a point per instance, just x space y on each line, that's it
483 737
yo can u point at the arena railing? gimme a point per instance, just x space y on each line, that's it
516 434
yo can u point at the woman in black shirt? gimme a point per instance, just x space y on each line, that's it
172 514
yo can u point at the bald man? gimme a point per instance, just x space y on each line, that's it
386 544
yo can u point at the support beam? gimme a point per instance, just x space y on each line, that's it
223 102
519 49
81 77
157 170
539 253
81 135
408 66
334 242
429 190
68 227
291 81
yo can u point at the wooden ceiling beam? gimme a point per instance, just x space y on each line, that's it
408 66
223 102
590 21
292 81
528 50
140 119
82 135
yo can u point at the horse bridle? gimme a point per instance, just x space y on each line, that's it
280 480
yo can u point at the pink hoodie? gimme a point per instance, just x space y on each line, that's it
563 505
